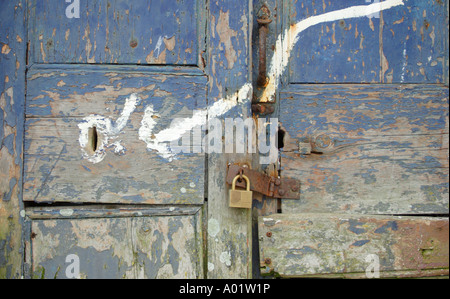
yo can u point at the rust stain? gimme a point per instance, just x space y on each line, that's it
422 247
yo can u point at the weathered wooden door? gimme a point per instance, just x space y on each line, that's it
362 90
107 170
119 95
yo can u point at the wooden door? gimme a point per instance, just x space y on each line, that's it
362 90
114 90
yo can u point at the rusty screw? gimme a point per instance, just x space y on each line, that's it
133 43
281 192
267 261
269 234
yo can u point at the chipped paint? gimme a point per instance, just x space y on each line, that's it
286 42
383 143
226 34
107 130
118 33
160 141
119 247
12 86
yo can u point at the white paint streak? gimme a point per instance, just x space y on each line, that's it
66 212
286 42
158 45
106 130
405 63
160 141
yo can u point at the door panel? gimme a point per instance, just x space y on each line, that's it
369 150
407 44
355 246
415 43
113 99
106 94
117 32
129 243
65 106
374 149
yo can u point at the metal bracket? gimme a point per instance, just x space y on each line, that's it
267 185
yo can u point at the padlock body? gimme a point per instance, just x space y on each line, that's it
241 199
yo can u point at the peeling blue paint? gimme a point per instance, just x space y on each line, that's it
87 168
353 226
360 243
390 225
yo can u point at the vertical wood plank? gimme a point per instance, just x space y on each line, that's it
12 82
228 58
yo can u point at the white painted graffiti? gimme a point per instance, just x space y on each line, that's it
166 142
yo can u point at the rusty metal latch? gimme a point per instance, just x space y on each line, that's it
263 20
262 183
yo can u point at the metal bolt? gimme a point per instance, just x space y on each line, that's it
133 44
294 187
269 234
267 261
281 192
323 141
277 182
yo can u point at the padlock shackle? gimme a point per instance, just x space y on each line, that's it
233 186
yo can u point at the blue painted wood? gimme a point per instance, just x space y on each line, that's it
117 32
406 44
228 67
341 51
12 90
375 149
70 92
415 42
119 247
56 167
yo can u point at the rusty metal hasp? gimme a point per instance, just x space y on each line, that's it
262 183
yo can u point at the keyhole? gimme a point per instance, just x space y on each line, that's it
93 139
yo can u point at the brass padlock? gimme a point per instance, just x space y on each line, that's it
241 198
